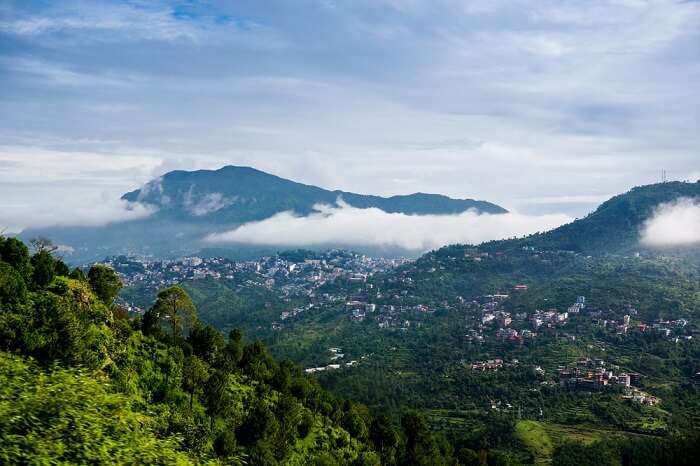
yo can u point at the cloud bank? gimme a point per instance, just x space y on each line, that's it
75 212
674 224
352 226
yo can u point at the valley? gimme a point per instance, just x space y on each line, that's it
581 346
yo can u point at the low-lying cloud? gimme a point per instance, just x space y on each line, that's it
71 212
673 224
351 226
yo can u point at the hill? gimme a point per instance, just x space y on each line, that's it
614 227
191 205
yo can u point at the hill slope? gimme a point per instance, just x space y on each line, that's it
614 227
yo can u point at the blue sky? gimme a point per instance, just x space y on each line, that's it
541 106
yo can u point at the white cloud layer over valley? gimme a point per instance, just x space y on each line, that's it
351 226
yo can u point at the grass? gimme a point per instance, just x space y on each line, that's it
560 433
541 438
534 436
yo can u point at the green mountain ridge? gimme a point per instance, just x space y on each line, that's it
614 227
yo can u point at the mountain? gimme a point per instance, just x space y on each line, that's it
189 205
242 194
614 227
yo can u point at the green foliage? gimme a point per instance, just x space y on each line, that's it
175 307
78 274
13 290
61 269
43 265
64 416
422 447
104 282
578 454
206 342
195 373
15 253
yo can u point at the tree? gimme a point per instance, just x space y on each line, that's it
78 274
260 424
256 361
42 269
13 290
225 444
104 282
206 342
233 351
385 438
576 453
15 253
175 306
422 447
61 268
150 323
194 374
354 424
41 244
216 396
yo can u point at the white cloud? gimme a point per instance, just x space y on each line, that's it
674 224
137 23
206 204
351 226
79 211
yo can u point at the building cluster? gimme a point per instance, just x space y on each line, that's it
489 365
337 361
492 319
593 374
291 275
675 330
487 317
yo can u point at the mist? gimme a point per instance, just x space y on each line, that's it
71 211
673 224
352 226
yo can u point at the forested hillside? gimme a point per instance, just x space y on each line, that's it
614 227
82 383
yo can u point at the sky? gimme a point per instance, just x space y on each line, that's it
544 107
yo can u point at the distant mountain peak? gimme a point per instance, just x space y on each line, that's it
249 193
190 205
